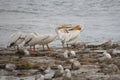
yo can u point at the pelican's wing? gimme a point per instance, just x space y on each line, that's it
45 37
72 37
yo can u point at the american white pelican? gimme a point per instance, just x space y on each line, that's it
32 39
70 36
48 39
16 39
36 38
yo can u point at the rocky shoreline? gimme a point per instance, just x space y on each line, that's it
93 65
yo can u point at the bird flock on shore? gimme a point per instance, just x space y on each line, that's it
67 34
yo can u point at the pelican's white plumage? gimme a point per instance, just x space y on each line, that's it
48 39
36 38
16 39
32 39
70 37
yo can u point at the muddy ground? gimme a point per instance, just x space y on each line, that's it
92 67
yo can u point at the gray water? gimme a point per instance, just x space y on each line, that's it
100 19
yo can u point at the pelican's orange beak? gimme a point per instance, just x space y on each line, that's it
76 28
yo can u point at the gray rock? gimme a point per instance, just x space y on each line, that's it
10 67
111 69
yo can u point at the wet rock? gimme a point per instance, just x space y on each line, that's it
10 67
80 45
48 76
23 51
110 69
117 62
39 77
116 52
114 77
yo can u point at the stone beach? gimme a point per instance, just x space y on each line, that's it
92 65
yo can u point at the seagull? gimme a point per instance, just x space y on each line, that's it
107 44
107 55
75 64
65 54
72 53
67 75
16 39
59 72
47 70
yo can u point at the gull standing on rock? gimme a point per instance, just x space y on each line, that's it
65 54
107 44
75 64
72 53
47 70
107 55
59 72
67 75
